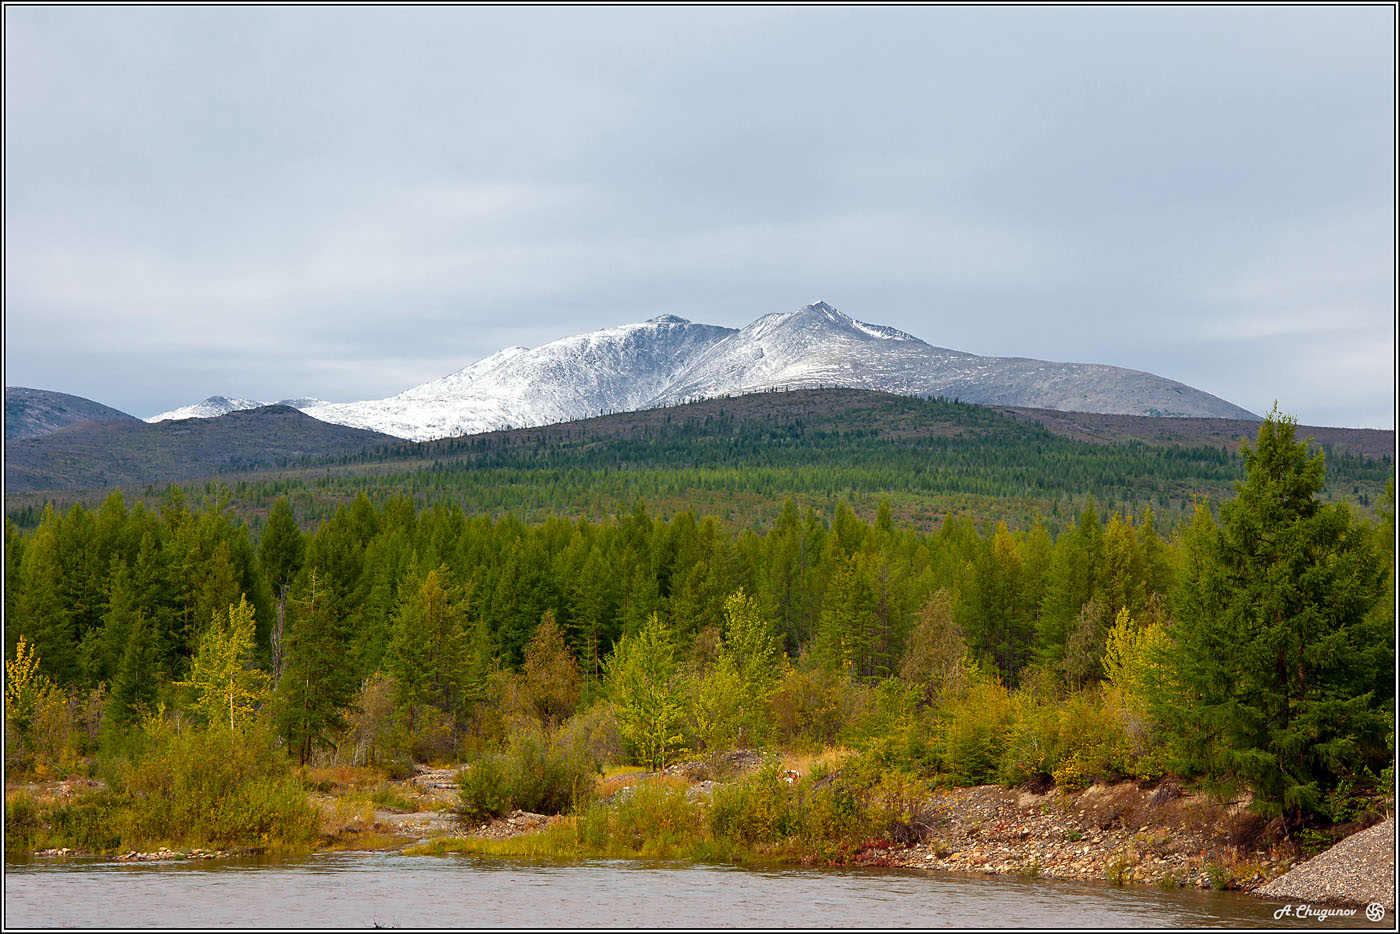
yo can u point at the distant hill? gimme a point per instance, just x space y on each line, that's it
131 453
33 413
738 458
1116 429
215 406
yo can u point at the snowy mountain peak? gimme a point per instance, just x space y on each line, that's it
301 402
821 317
212 407
667 319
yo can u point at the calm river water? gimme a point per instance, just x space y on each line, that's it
391 890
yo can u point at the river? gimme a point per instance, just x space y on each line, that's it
365 890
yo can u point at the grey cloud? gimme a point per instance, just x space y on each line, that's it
1147 187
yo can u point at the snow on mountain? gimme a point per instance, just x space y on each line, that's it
818 346
300 402
815 345
615 369
212 407
668 361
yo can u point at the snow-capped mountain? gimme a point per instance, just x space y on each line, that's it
215 406
668 361
818 346
212 407
615 369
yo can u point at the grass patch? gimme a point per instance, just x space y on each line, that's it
1117 870
823 817
394 798
615 770
338 779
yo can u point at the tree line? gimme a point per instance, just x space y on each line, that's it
1255 644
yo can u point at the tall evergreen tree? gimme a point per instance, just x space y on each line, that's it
1283 673
319 681
427 651
136 683
281 552
42 614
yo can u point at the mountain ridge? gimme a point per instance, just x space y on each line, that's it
101 454
33 413
668 360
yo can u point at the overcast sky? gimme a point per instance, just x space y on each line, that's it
272 202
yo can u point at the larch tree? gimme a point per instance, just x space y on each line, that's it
549 683
223 681
644 682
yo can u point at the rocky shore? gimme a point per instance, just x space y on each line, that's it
160 855
1116 832
1120 833
1358 871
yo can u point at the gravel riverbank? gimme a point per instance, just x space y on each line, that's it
1120 833
1360 870
1116 832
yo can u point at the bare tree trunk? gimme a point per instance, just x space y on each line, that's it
277 631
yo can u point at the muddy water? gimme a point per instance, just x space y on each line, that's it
391 890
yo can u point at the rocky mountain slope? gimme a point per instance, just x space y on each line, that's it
615 369
33 413
818 346
668 360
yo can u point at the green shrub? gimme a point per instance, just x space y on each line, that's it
653 819
808 709
213 787
549 778
890 727
393 799
396 770
757 810
533 774
23 825
483 790
87 822
973 734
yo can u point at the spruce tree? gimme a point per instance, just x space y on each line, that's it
319 681
281 552
1281 671
136 684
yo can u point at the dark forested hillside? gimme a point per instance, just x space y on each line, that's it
735 458
96 455
32 413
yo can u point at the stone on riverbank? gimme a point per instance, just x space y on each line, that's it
165 853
